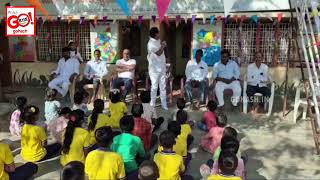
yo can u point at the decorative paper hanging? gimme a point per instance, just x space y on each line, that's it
270 18
212 19
114 21
280 15
255 19
162 6
204 20
166 20
153 18
105 19
130 20
124 6
178 20
58 19
95 20
69 19
39 6
186 19
40 21
81 20
193 18
219 19
236 18
140 20
226 19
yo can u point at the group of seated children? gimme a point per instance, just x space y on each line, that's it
117 145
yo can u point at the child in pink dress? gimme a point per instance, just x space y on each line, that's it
15 123
57 126
212 139
209 117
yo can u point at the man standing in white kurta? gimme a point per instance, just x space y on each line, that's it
227 74
66 71
157 67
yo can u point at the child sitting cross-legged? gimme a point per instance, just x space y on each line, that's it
117 108
57 126
142 127
79 98
129 146
8 170
74 170
182 117
15 121
102 163
209 117
97 119
227 165
34 146
75 139
171 165
212 139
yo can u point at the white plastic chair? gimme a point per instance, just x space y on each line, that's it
301 102
268 103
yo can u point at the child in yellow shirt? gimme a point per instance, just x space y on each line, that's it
117 108
34 146
97 120
170 164
182 119
8 170
75 139
73 170
102 163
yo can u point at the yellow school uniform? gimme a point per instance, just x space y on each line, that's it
102 164
32 139
185 130
222 177
6 158
170 165
103 120
80 140
180 147
117 111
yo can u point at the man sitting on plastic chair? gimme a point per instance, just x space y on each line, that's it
126 70
196 73
68 68
94 72
258 77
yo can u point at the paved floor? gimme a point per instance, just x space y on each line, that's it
277 149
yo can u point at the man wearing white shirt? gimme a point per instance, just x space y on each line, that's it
257 78
196 73
157 67
74 52
94 71
67 70
227 74
126 69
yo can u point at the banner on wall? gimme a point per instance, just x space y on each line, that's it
105 38
22 49
208 38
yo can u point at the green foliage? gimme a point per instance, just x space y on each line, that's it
27 79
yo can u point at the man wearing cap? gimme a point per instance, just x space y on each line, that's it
68 68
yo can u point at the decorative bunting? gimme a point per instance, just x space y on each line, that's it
58 19
270 18
105 19
166 20
140 20
219 19
280 17
186 19
193 18
114 21
236 18
255 19
162 6
81 20
204 20
95 20
40 20
130 20
178 20
69 19
212 19
153 18
226 19
39 6
124 6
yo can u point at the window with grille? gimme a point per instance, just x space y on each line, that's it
53 36
248 43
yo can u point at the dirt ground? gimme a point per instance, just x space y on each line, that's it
276 148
